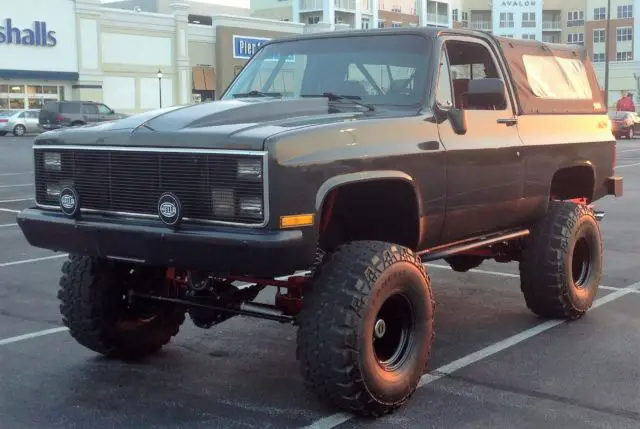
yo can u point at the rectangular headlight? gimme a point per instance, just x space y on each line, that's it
250 169
53 191
250 207
52 161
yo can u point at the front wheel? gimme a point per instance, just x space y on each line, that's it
366 328
562 262
95 308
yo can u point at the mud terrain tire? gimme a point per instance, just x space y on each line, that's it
94 307
358 285
562 262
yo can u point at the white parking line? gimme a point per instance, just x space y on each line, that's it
18 200
9 210
628 165
15 174
493 273
18 338
337 419
28 261
16 186
7 225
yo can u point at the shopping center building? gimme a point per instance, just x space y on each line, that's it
81 50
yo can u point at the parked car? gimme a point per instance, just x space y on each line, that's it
625 124
58 114
395 147
19 122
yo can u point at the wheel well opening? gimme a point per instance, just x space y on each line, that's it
385 210
573 182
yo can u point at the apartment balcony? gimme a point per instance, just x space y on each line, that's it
481 25
551 26
311 5
437 19
345 5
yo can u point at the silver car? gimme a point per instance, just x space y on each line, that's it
19 122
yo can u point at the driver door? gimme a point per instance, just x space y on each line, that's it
485 165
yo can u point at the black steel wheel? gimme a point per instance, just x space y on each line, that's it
95 307
562 263
366 328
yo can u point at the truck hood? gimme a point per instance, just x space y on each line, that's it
241 124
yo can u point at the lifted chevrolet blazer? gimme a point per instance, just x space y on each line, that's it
334 166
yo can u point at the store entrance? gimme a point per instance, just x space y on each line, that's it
26 96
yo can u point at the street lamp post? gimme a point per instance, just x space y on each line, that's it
160 86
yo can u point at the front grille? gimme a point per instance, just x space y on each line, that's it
131 182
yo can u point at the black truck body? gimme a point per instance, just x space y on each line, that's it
445 143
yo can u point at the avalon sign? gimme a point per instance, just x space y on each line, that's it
35 36
518 3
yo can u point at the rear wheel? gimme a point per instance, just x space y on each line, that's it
562 262
95 308
19 130
366 328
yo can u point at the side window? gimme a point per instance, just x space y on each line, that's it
104 110
444 93
89 109
22 115
69 108
470 61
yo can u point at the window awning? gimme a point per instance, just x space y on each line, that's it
204 78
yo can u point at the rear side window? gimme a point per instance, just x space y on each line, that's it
50 106
69 107
557 78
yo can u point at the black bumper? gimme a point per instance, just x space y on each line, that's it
614 186
223 250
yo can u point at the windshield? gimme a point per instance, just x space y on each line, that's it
375 70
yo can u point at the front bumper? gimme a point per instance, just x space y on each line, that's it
222 250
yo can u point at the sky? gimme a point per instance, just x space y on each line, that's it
237 3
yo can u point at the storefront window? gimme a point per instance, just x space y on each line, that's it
35 103
16 103
16 89
19 96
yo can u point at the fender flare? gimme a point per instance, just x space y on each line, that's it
577 163
365 176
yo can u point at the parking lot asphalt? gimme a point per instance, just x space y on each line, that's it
494 364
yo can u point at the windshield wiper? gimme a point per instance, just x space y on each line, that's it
255 93
335 97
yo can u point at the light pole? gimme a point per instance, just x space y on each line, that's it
160 84
606 55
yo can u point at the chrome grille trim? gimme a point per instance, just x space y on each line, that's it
125 214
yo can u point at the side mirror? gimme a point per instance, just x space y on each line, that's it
487 92
458 119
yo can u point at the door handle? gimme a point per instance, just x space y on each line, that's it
509 122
